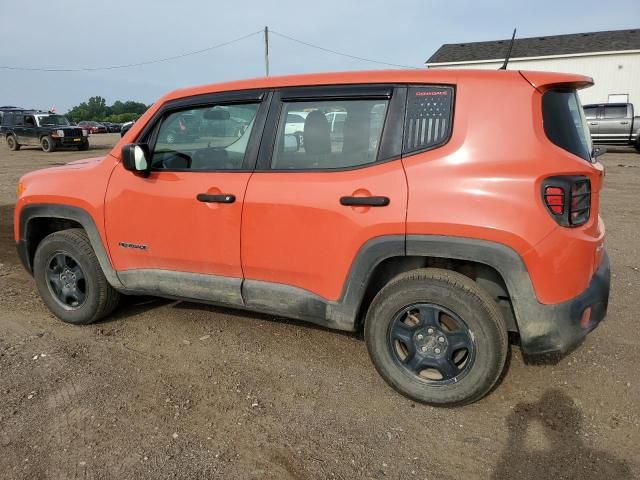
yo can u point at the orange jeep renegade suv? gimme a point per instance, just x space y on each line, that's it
439 210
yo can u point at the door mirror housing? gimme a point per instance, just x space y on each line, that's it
136 158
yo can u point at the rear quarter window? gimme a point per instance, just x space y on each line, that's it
564 122
428 119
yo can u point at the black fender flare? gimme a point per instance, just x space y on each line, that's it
497 256
66 212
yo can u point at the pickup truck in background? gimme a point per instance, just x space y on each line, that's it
613 124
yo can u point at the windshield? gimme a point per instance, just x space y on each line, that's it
565 123
55 120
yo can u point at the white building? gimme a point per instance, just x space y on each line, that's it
612 59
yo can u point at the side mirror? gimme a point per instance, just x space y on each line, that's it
136 158
291 143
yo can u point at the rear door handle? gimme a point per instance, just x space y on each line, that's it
593 123
364 201
625 122
221 198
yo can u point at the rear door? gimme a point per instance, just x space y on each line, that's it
311 205
29 133
615 124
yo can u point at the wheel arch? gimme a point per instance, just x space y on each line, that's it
496 267
39 220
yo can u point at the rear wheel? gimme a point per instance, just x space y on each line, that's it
437 337
637 145
12 143
69 278
47 144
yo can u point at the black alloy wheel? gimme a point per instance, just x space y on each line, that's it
66 280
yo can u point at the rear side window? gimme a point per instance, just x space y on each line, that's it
591 112
615 111
428 118
341 133
565 123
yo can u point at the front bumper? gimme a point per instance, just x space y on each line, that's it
553 330
70 141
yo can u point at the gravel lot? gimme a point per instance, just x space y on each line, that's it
168 389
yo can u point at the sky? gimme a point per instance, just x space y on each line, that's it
71 34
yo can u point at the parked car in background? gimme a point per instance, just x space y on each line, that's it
613 124
124 128
48 130
112 127
92 127
410 225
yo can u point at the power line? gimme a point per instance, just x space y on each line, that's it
148 62
196 52
318 47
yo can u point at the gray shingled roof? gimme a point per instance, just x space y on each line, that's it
539 46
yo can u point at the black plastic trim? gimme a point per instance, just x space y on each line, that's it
30 212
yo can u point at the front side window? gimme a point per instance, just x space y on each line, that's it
334 134
204 138
565 123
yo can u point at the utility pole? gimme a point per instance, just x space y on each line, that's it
266 50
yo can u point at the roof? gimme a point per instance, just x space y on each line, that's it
575 43
422 75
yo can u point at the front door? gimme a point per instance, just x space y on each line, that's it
177 231
315 201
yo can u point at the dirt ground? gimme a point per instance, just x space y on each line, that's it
168 389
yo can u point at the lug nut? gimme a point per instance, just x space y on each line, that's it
430 330
420 336
441 339
424 349
437 350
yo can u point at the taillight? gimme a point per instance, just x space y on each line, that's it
568 199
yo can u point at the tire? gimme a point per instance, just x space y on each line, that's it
12 143
64 259
84 147
47 144
423 308
637 146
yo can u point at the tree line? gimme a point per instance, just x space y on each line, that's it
96 108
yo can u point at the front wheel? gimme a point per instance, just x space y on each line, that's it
69 278
47 144
637 146
437 337
84 146
12 143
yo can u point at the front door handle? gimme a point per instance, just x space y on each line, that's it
220 198
624 122
593 123
364 201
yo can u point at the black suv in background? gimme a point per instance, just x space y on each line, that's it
47 130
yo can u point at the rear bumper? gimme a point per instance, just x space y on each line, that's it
552 330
